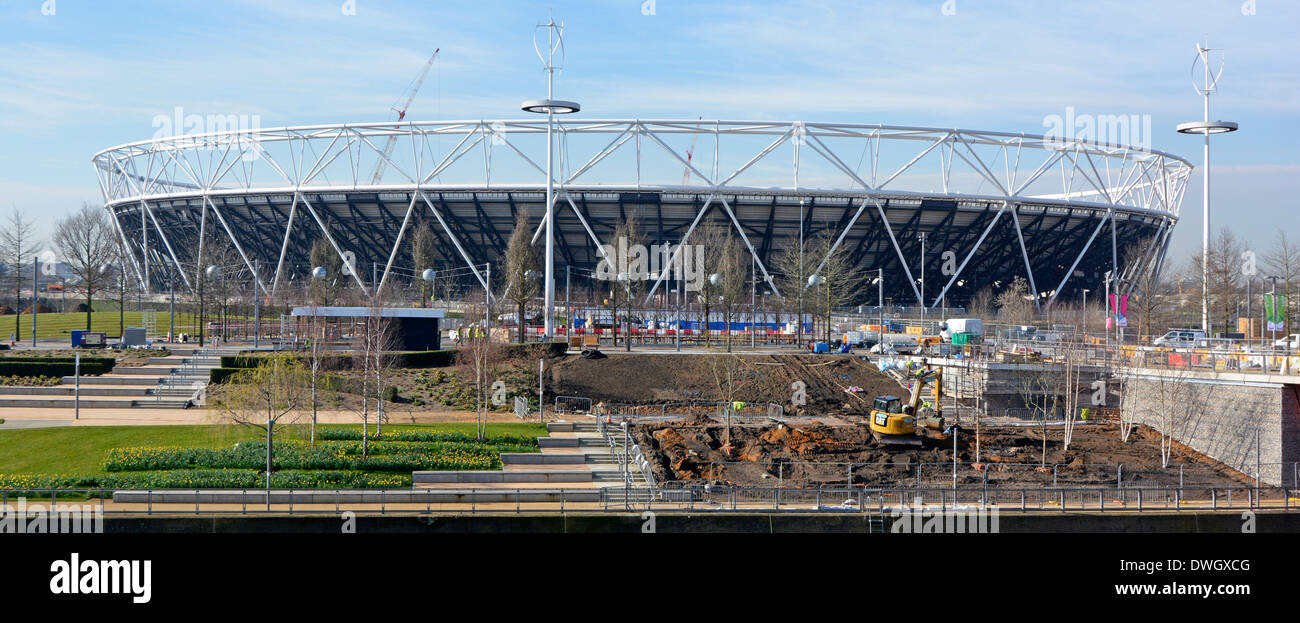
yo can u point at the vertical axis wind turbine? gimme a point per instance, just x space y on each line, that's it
552 107
1206 127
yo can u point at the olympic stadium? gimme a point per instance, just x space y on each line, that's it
991 205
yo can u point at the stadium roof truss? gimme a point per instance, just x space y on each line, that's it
872 188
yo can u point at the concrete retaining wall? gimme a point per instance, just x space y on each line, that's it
1219 414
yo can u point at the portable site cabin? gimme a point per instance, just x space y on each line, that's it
414 328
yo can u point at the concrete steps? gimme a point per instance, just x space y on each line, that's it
38 402
108 379
163 383
568 476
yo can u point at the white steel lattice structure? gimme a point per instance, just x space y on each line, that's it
1003 204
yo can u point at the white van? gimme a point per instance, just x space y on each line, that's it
1291 342
1179 338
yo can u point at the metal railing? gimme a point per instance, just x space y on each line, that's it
572 404
693 498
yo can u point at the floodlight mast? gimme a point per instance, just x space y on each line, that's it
552 107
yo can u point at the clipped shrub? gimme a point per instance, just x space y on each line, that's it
207 479
22 367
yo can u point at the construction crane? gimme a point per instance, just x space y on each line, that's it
686 174
405 100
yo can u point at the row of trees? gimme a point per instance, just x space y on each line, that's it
85 242
730 280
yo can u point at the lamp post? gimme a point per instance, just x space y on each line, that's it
552 107
1085 311
1205 127
211 272
257 308
880 292
922 274
813 280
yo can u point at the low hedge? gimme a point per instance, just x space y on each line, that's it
221 375
415 359
17 367
406 436
289 455
207 479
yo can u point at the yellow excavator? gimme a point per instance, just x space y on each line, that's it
894 423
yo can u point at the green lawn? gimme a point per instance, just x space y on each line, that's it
81 449
58 325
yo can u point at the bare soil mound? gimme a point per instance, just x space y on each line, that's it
669 378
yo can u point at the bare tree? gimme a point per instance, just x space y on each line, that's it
1225 276
424 254
326 291
1150 294
262 397
18 245
628 235
122 285
1015 302
1170 402
712 238
1071 352
731 375
731 281
795 263
381 339
834 277
474 353
85 241
521 269
315 335
982 304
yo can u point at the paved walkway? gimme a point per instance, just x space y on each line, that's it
21 416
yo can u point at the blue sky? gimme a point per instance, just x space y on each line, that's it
96 73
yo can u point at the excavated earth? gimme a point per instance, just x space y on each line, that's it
696 450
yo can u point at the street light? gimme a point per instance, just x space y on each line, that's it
1205 127
211 272
551 107
1085 311
880 285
